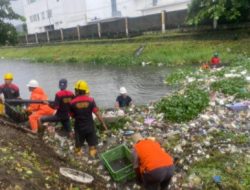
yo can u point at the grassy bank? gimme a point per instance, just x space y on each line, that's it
167 51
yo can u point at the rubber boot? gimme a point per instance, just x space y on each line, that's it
78 152
1 109
92 152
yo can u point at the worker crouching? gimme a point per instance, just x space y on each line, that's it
153 166
37 110
81 108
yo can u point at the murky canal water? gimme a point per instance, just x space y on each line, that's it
144 84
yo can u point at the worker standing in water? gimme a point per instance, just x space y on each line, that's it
153 166
82 107
37 110
123 100
62 106
9 91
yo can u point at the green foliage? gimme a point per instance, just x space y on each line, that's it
229 10
232 86
8 34
181 108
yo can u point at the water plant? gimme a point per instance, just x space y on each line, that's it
183 107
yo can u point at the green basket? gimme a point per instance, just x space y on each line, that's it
117 153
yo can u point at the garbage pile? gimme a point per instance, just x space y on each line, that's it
218 130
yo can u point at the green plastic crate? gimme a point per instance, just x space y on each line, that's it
119 152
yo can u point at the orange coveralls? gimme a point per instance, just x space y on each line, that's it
38 110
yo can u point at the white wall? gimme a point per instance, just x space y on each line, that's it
65 14
146 6
98 9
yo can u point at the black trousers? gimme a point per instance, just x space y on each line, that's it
85 134
55 118
158 178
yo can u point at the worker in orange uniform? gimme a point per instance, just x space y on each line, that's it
81 108
37 110
152 164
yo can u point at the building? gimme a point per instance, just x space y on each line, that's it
105 9
44 15
148 7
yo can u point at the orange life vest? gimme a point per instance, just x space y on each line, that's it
151 156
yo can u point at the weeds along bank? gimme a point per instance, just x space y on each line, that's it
156 52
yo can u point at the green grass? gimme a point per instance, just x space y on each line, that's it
232 86
160 50
234 170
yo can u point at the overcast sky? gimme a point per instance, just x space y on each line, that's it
17 6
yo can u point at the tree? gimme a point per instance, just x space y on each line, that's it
216 10
8 32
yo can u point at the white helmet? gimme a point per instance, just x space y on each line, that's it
123 90
33 83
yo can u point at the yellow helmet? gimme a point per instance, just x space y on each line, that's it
82 85
8 76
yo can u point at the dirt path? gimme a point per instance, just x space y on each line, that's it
27 163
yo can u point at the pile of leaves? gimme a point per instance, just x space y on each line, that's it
184 107
232 86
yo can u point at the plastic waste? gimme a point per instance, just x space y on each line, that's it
217 179
76 175
237 106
